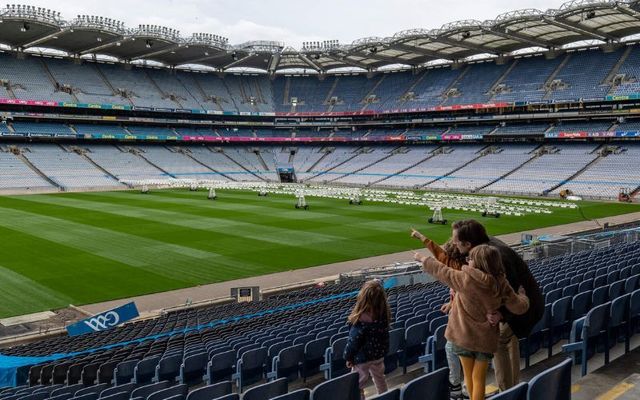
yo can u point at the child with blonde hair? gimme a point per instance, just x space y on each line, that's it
481 287
368 341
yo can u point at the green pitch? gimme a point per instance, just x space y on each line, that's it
84 248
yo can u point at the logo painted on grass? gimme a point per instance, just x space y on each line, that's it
105 320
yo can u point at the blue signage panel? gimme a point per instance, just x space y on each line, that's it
105 320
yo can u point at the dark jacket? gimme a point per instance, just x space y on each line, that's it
518 274
368 341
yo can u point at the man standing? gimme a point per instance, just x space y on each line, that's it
468 234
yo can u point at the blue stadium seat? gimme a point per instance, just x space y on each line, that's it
86 396
301 394
396 344
558 322
250 368
193 368
267 390
179 391
415 339
211 391
518 392
344 387
146 390
232 396
168 368
618 320
145 370
435 356
127 388
581 304
585 334
534 341
287 363
334 362
434 386
116 396
552 384
314 354
220 367
89 374
388 395
92 389
123 373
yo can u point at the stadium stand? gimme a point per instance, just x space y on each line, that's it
182 348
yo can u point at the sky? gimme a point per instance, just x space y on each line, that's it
291 21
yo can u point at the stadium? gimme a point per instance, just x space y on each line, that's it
186 218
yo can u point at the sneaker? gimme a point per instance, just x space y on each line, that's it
455 391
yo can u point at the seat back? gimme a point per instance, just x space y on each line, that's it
344 387
289 360
220 368
518 392
301 394
389 395
434 386
267 391
552 384
193 368
211 391
145 370
314 356
168 368
146 390
126 388
123 372
171 392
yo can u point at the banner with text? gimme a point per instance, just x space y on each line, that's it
105 320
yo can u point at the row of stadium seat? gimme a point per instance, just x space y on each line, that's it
601 284
576 75
530 169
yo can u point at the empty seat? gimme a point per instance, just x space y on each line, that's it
250 367
267 391
415 339
518 392
586 332
220 367
146 390
434 386
126 388
116 396
179 391
314 353
344 387
145 370
301 394
168 368
287 363
123 372
91 389
232 396
211 391
389 395
396 343
552 384
193 368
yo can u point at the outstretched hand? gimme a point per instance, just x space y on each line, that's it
419 257
417 235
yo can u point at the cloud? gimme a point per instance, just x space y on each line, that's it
292 21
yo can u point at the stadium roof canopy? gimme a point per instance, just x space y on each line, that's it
27 27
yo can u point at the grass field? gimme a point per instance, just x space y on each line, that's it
84 248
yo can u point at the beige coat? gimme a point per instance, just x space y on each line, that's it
477 294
